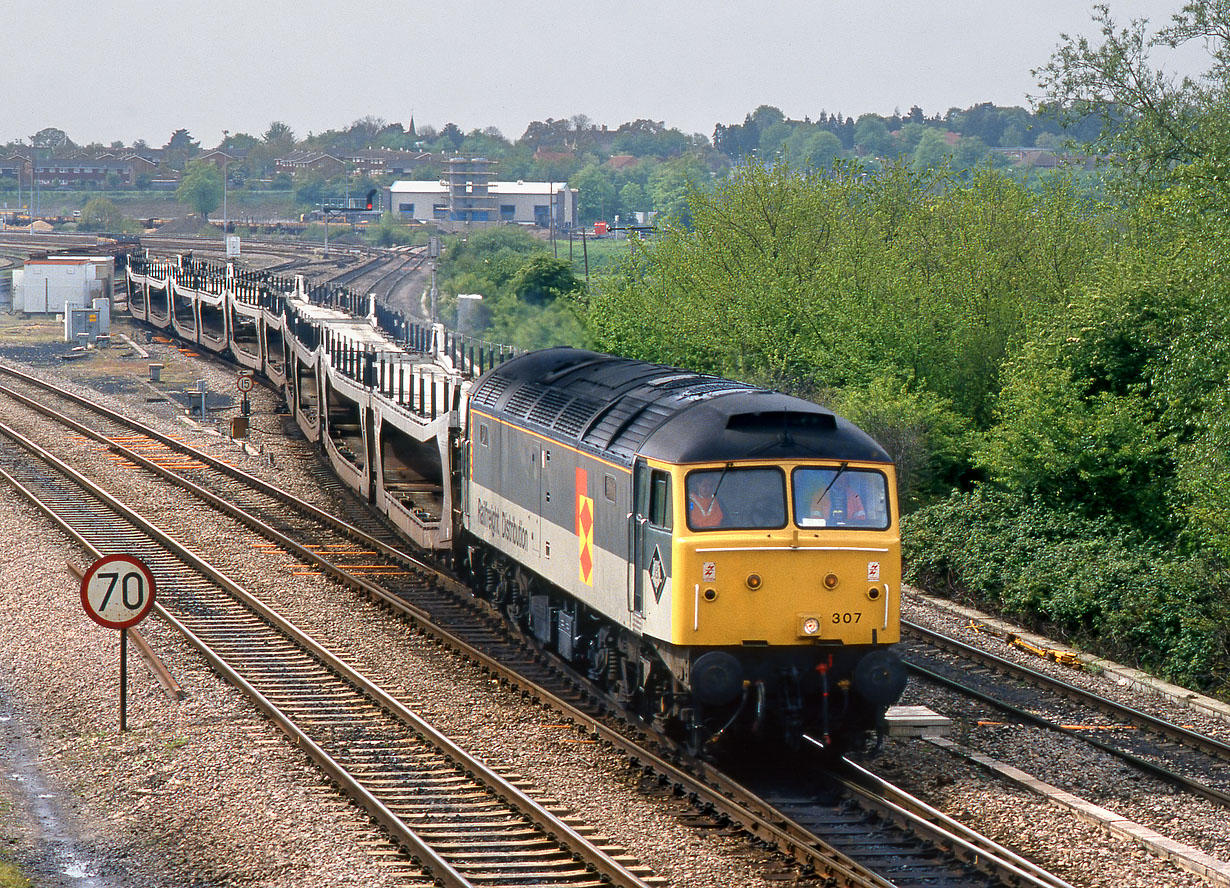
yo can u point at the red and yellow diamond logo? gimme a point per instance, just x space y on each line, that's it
585 529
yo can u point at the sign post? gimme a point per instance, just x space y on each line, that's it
117 592
244 384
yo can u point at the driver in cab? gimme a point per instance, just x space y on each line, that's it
704 509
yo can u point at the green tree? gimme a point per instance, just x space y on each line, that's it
179 148
632 200
544 279
201 188
672 186
100 214
820 149
871 137
1152 120
52 140
932 152
773 137
280 135
596 196
824 282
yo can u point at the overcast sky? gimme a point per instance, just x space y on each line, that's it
140 69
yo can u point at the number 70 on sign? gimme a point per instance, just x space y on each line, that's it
117 591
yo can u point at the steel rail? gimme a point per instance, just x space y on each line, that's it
1194 739
971 846
527 807
1210 793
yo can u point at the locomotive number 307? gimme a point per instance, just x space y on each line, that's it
848 617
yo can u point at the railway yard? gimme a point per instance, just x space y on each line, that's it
241 778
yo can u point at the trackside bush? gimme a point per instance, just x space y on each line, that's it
1089 580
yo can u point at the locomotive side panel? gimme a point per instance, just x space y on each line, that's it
558 512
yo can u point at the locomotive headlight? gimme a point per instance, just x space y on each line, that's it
830 581
810 626
754 582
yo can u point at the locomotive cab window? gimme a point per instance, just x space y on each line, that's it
743 499
660 499
838 496
484 435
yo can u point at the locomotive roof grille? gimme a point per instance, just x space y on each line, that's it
576 416
548 407
523 399
620 409
489 390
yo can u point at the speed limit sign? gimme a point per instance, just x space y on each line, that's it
244 383
117 591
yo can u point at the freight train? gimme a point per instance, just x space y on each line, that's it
724 560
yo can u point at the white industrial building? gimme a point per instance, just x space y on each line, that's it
58 283
529 203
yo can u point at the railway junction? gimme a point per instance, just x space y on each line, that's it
204 789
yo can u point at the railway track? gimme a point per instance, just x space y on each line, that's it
372 563
1180 756
458 821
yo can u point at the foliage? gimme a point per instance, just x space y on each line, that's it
100 214
52 140
1091 580
819 281
390 232
179 149
543 279
11 875
1153 121
929 442
596 197
528 296
201 188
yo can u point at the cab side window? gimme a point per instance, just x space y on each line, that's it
660 499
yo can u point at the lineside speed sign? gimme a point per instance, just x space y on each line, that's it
117 591
244 383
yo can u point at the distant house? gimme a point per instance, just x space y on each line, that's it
85 171
12 167
542 155
1048 158
141 165
220 158
380 162
622 161
299 162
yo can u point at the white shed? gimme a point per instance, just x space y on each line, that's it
54 284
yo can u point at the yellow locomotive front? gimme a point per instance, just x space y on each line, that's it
787 554
787 581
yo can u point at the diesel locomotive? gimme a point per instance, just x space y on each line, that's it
724 559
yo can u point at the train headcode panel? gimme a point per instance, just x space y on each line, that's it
117 591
